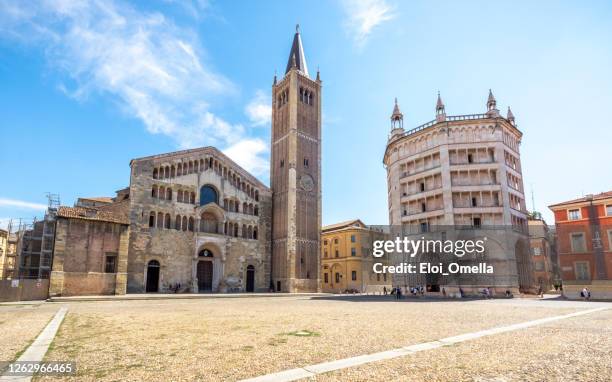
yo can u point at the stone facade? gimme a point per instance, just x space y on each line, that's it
197 206
462 171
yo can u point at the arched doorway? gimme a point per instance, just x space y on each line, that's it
250 279
205 271
152 276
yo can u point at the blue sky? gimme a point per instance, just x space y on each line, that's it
85 86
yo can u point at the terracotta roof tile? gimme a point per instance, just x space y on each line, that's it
91 214
603 195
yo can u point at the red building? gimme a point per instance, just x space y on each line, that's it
584 240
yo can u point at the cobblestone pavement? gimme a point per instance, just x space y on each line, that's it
235 338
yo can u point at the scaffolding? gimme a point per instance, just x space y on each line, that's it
32 243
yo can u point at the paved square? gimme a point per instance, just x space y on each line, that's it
237 338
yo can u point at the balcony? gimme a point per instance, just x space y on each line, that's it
420 171
423 214
421 194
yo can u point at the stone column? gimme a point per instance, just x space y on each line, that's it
56 281
122 261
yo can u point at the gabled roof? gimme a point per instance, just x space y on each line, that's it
344 224
603 195
211 150
296 55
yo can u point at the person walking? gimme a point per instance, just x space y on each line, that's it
584 293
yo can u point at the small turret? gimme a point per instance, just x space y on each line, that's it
397 120
440 111
510 116
492 110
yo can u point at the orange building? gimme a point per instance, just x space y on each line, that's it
584 240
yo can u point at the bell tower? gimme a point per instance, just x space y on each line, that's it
295 175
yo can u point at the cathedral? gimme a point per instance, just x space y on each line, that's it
195 221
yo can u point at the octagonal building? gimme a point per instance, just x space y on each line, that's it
461 171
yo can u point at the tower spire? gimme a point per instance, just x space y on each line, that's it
440 111
510 116
492 110
297 54
491 102
397 118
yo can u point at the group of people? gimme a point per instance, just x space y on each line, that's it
397 291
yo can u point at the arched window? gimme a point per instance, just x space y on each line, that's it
208 195
179 169
250 208
208 223
155 173
184 223
179 196
245 208
192 199
257 195
255 233
256 211
172 172
197 166
250 232
167 173
162 192
167 223
154 192
191 224
160 220
177 223
244 231
152 219
235 230
168 194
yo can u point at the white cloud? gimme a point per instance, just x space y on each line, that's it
154 69
363 16
259 110
21 204
247 153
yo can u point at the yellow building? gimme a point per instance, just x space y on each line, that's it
3 250
346 258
